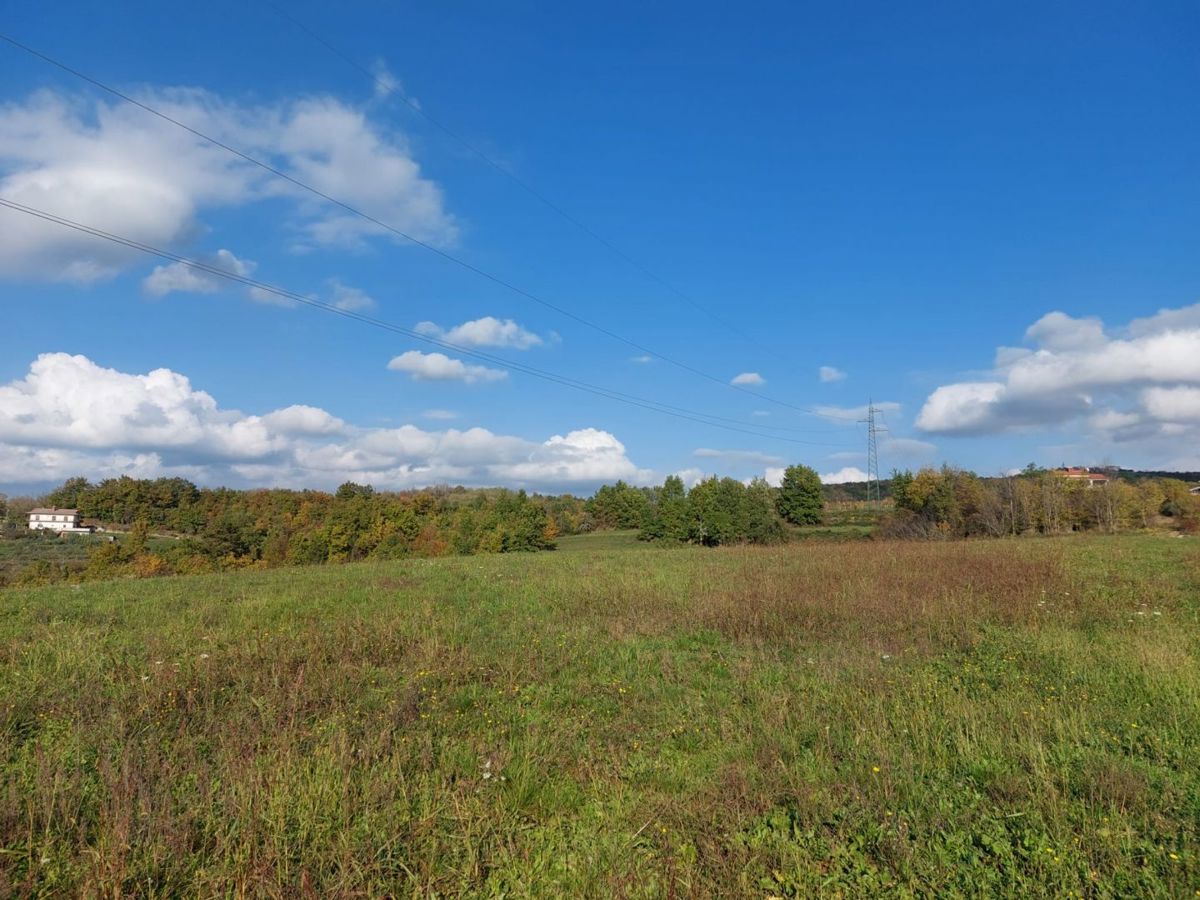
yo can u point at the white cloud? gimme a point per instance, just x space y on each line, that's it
774 475
642 360
443 415
852 414
117 168
70 402
69 416
486 332
761 413
386 83
439 367
752 378
1058 331
737 456
829 373
299 419
691 476
335 149
177 277
843 476
907 448
1134 385
349 298
1173 404
1186 318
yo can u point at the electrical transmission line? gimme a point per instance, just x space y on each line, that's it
630 399
449 257
390 87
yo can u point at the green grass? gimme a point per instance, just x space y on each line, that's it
600 541
1014 718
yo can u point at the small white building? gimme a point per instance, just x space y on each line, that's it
64 521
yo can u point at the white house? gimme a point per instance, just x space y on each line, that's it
60 520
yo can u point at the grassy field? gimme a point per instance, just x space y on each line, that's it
1015 718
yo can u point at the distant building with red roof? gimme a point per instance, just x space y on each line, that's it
1083 473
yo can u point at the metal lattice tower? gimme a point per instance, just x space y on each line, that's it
873 429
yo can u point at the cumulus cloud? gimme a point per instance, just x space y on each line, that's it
1186 318
116 167
844 476
70 416
70 402
177 277
748 378
829 373
1134 383
486 332
774 475
440 367
1058 331
303 420
1173 404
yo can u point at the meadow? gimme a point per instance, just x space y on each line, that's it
860 718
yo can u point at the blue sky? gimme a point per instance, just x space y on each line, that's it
894 193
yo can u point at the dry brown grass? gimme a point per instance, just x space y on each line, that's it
885 596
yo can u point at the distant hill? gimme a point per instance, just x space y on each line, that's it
857 490
1135 475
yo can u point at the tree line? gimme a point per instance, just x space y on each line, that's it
715 511
951 502
206 529
173 526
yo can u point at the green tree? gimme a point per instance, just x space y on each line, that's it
760 516
667 518
70 495
902 490
349 490
139 535
712 518
800 500
618 505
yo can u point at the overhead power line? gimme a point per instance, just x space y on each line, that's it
520 182
608 393
449 257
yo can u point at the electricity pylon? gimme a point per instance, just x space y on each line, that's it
873 429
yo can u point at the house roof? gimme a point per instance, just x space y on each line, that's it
55 510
